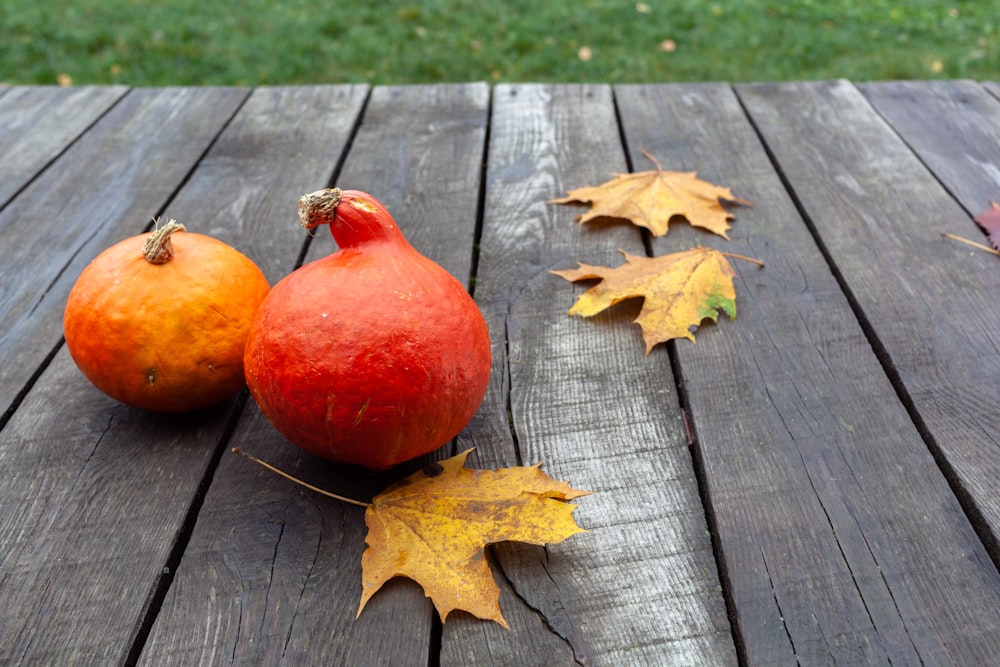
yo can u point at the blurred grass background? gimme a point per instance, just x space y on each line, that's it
258 42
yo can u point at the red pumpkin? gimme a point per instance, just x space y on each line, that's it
373 355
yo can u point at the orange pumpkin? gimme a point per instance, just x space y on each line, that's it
159 321
372 355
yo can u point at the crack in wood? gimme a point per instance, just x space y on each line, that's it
777 604
305 579
508 380
579 657
270 578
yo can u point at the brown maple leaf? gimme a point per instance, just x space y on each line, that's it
433 526
651 199
989 220
680 290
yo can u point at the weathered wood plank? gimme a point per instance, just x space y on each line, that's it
79 557
827 563
276 570
954 127
641 586
286 141
102 491
786 406
419 165
105 187
91 498
927 585
283 142
38 122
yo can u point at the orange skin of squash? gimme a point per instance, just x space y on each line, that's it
164 337
373 355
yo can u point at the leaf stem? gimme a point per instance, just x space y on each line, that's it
972 243
744 258
352 501
652 159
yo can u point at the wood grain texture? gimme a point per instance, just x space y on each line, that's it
810 462
954 128
92 497
927 587
105 187
862 364
425 167
272 571
275 570
640 587
38 122
100 491
285 142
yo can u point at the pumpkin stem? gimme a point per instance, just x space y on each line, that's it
159 249
319 208
355 217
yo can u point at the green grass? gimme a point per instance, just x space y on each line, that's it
257 42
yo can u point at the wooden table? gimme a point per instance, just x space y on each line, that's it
817 481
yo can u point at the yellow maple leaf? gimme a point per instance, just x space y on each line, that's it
651 198
680 290
433 526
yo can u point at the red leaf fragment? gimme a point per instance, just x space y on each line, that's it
989 220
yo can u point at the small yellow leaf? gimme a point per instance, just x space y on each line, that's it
433 526
651 198
680 290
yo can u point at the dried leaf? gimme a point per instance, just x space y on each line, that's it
989 220
680 290
651 198
433 526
